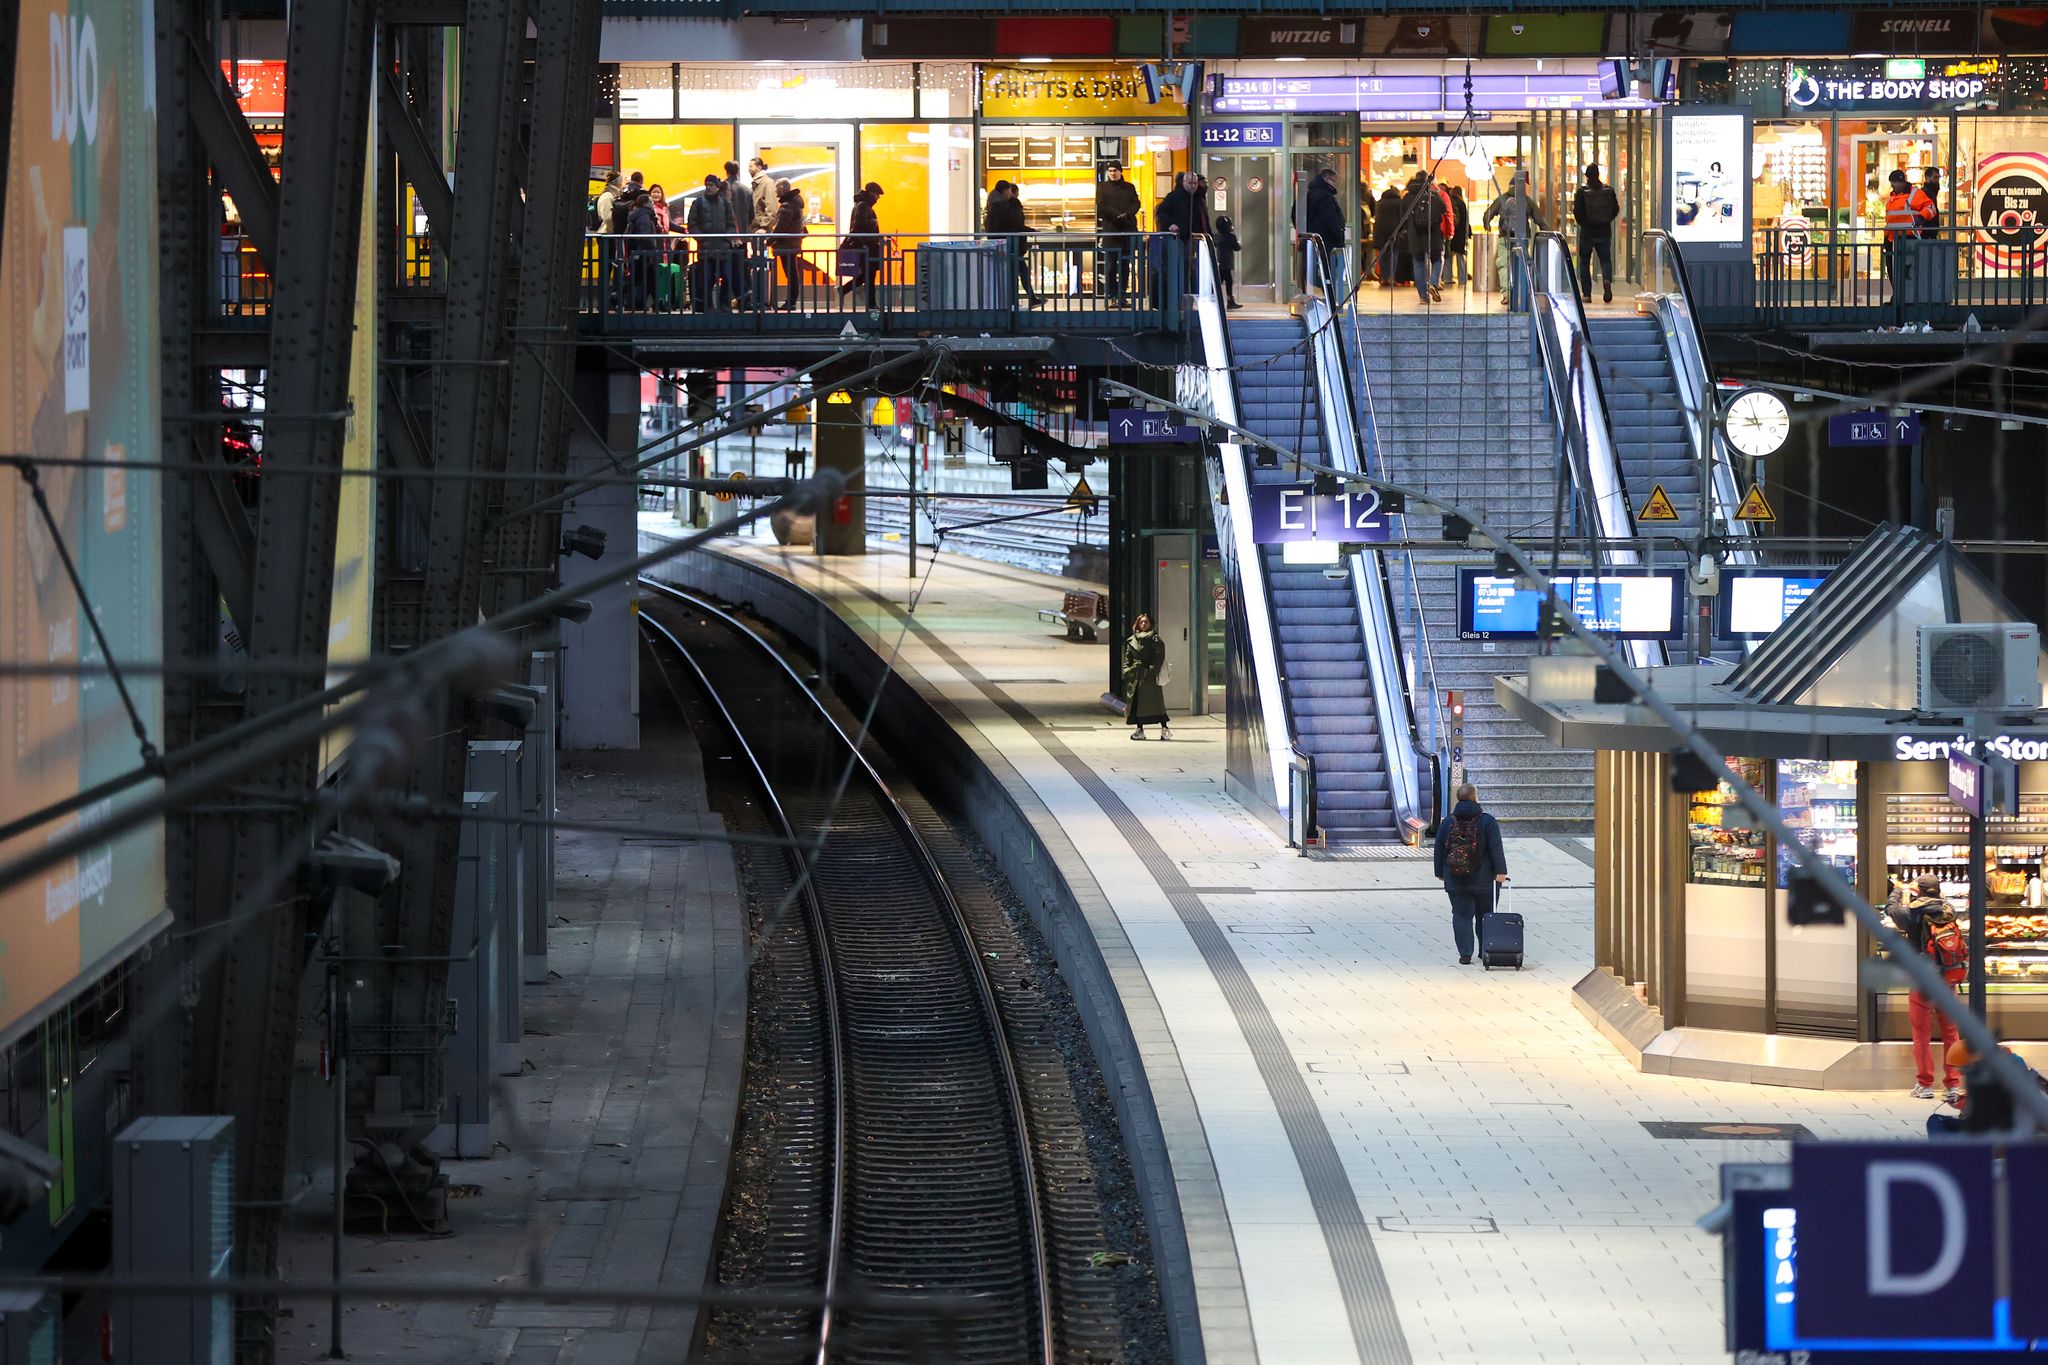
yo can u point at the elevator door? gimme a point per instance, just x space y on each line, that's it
1173 599
1241 185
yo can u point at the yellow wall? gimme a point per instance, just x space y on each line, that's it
675 156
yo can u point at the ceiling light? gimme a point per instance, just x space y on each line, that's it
1035 61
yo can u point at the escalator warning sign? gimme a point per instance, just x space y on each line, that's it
1755 507
1659 507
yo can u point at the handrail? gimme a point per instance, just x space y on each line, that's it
1302 830
1400 747
1580 404
1672 287
1208 386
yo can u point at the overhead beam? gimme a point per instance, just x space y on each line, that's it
231 147
221 525
417 160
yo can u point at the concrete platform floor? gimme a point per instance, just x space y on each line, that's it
1381 1155
615 1145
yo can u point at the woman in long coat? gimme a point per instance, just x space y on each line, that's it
1144 656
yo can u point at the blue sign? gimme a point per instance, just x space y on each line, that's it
1874 429
1241 135
1641 606
1137 427
2026 1192
1909 1240
1283 512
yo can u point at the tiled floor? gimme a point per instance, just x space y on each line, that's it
1514 1207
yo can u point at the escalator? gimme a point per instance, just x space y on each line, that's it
1647 416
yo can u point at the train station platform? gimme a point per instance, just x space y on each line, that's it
1377 1154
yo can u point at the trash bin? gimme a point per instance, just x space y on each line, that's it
962 277
1484 245
1927 271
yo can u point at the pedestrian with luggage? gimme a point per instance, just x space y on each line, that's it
1928 923
1144 662
1472 865
713 225
1595 207
862 250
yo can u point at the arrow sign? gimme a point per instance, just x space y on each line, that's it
1850 429
1137 427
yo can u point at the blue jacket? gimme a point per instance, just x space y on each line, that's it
1493 859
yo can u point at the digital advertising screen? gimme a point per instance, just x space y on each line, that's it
1706 191
1753 603
79 380
1641 606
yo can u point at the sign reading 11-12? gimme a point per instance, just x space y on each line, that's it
1282 512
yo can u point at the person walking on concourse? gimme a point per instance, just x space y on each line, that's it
1144 657
1471 864
1594 209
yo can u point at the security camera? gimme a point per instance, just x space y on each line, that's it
587 541
1516 29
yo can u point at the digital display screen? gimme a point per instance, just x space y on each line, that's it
1709 177
1613 80
1643 606
1754 605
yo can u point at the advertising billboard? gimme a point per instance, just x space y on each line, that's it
78 379
1706 192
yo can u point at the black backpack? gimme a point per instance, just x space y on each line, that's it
1602 206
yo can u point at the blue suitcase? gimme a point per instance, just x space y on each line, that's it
1500 937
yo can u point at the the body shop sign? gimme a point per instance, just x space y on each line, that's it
1902 84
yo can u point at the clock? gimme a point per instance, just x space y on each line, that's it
1755 422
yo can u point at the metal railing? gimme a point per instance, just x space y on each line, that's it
1401 744
1852 275
755 283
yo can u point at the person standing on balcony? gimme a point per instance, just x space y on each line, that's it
1116 218
1930 185
1519 220
1908 212
862 251
712 224
786 234
643 250
1322 220
1004 218
1594 208
767 194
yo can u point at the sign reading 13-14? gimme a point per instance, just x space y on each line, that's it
1282 512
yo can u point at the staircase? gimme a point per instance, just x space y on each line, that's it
1645 417
1329 695
1460 412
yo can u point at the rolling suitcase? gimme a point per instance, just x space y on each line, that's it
1500 935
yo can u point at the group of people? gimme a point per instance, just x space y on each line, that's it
1422 233
724 251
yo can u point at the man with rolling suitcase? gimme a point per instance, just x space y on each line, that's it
1472 865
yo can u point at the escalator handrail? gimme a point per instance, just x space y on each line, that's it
1401 747
1726 492
1218 368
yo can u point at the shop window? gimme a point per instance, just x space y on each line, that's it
1817 797
778 90
1927 834
647 90
676 156
1727 850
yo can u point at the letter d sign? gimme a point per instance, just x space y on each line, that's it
1895 1241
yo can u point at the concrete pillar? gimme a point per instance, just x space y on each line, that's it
839 435
600 669
497 765
539 907
465 1127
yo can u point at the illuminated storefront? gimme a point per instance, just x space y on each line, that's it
1051 128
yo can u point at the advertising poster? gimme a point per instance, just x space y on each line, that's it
78 378
2011 194
1709 170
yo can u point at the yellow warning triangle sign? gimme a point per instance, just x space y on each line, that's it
1659 507
1755 507
1081 498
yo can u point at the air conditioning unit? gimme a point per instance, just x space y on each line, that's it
1990 667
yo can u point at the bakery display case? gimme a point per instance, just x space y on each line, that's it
1927 835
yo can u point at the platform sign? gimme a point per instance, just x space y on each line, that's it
1848 430
1287 512
1637 606
1236 135
1137 427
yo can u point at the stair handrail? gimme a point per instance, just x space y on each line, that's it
1400 740
1672 288
1579 403
1209 387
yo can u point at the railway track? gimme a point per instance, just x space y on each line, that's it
904 1165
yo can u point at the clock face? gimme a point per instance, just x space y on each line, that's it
1756 422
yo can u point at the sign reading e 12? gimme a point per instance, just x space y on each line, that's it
1283 512
1241 134
1874 429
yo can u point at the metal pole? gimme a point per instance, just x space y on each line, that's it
915 455
340 1067
1978 1004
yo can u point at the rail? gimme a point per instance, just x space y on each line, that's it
1400 740
956 919
750 284
1580 405
1671 288
1853 275
1209 386
1302 831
